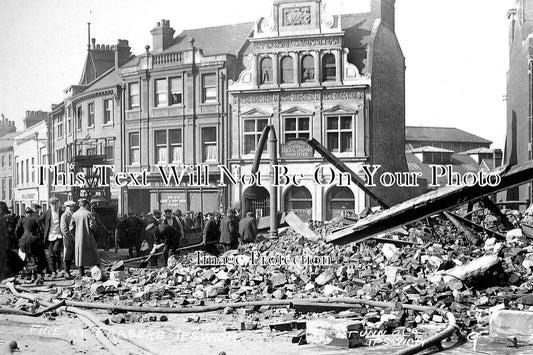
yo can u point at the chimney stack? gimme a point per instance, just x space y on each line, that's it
163 36
122 53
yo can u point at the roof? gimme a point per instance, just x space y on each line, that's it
481 150
460 164
441 134
429 149
227 39
97 62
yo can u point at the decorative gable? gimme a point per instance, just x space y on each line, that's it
340 110
296 111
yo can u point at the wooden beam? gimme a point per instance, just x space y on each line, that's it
333 160
496 210
431 203
471 235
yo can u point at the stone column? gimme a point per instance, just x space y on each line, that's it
296 67
318 69
338 66
275 69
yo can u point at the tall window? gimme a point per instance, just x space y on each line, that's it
4 189
59 126
19 175
329 71
9 160
296 128
308 68
78 118
252 133
134 96
109 153
209 144
108 111
90 114
135 151
161 148
176 148
161 93
176 96
287 70
27 170
60 159
3 160
266 70
209 88
10 189
339 131
69 120
32 169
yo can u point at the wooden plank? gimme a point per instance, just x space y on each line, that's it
430 203
472 237
479 227
333 160
496 211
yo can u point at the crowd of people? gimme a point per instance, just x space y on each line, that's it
50 243
142 232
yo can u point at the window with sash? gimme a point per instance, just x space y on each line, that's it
340 133
90 114
161 92
134 96
296 128
209 144
108 111
209 88
253 127
176 91
135 149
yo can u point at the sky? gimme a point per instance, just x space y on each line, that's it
456 50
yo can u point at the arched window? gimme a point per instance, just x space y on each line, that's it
308 68
338 200
299 200
287 70
266 70
329 71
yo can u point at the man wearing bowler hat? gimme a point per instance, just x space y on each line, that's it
82 225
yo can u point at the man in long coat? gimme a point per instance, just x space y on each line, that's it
229 231
248 228
82 225
68 237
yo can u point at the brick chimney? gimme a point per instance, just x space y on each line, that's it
122 53
6 126
34 117
163 36
383 9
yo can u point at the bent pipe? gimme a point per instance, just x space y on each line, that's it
260 147
435 339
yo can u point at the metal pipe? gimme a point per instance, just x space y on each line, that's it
273 153
435 339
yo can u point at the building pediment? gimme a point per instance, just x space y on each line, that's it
296 111
340 110
256 113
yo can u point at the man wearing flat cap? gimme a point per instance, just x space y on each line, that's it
229 231
53 239
82 225
68 237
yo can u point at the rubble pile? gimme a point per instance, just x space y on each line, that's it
439 268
